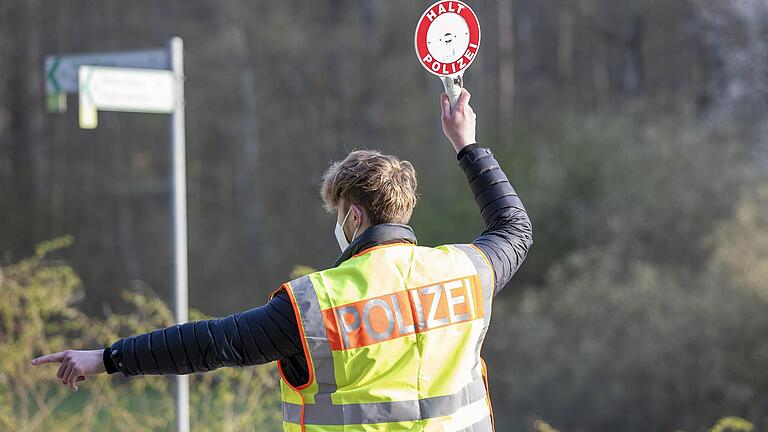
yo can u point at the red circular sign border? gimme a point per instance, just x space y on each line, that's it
420 43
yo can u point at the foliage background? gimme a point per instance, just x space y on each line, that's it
634 131
39 313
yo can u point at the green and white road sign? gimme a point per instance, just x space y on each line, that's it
123 89
61 71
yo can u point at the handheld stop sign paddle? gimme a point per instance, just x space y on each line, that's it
447 38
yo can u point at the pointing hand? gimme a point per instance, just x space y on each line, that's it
75 365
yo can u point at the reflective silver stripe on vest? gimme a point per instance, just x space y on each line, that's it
486 276
291 413
385 412
484 425
316 336
483 268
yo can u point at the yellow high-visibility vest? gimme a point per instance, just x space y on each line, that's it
392 338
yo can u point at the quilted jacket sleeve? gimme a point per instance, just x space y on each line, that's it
260 335
508 235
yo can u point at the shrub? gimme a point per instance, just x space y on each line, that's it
39 314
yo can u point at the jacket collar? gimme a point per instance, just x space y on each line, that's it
376 235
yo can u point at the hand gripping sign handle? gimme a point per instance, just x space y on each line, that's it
453 87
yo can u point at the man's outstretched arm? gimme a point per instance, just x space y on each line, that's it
508 234
257 336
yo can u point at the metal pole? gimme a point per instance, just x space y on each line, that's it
179 205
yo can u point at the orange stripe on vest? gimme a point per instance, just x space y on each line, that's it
403 313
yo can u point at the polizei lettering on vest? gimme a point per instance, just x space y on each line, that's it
404 313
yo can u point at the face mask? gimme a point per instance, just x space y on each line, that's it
339 231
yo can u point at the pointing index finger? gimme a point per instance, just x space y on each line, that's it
50 358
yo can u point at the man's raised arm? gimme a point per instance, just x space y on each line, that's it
508 234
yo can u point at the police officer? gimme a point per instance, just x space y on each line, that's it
389 337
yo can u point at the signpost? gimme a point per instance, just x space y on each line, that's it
123 89
447 39
61 72
179 205
137 81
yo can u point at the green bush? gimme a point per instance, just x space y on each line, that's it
642 305
39 314
664 346
732 424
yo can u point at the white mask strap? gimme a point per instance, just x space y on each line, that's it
345 217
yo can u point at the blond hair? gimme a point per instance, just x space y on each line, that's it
382 184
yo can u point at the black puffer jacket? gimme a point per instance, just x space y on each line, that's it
268 333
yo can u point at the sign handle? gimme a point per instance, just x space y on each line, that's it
453 87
